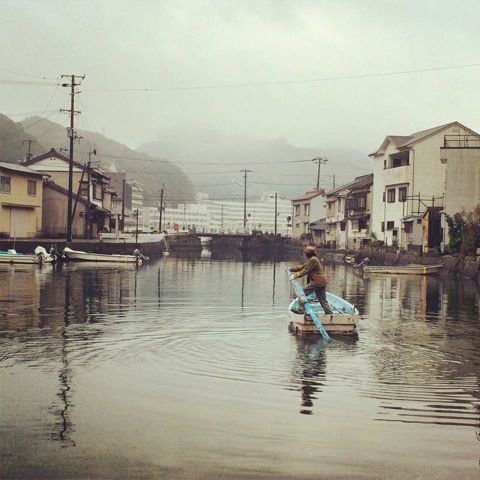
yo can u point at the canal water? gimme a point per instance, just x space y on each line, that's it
184 368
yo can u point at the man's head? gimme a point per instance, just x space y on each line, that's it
310 251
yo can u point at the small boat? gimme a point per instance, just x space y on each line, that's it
343 320
12 256
412 269
308 317
77 255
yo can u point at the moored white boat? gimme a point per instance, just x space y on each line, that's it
77 255
412 269
12 256
343 320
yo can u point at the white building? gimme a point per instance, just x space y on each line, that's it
308 208
137 207
408 179
227 216
223 216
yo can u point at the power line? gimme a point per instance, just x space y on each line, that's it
286 82
27 83
43 77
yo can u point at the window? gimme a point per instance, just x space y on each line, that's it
383 197
97 191
390 225
399 159
306 209
391 195
383 226
84 189
305 227
297 210
32 188
5 184
402 194
342 226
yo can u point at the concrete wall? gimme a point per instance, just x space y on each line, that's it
55 215
30 218
462 179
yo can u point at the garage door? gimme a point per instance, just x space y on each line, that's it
18 222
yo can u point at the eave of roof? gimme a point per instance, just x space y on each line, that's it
21 169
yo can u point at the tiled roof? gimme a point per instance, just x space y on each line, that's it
404 141
307 196
15 167
359 182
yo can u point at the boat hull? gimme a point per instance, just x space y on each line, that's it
21 259
404 270
339 323
344 320
79 256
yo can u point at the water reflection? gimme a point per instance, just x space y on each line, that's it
199 347
309 370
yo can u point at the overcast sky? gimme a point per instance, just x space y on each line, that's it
142 44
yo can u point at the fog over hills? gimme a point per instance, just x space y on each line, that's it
151 171
276 165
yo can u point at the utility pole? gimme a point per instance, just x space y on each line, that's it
28 155
319 161
124 181
245 171
72 135
276 195
221 220
161 209
136 228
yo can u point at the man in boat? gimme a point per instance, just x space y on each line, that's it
316 279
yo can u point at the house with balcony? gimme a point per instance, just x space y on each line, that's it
20 201
409 179
89 184
347 215
307 208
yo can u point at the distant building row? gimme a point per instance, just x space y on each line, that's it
416 180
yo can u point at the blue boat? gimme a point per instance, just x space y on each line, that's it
308 317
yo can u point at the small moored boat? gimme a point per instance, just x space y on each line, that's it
412 269
77 255
12 256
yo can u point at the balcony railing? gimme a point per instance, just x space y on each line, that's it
461 141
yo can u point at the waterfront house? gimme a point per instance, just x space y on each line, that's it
90 184
409 179
20 201
347 217
307 208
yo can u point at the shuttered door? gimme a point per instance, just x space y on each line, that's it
18 222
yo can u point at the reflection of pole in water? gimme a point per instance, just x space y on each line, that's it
243 285
273 282
64 423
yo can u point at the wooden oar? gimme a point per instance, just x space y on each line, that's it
308 307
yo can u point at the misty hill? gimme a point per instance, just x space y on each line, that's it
12 138
149 170
203 154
